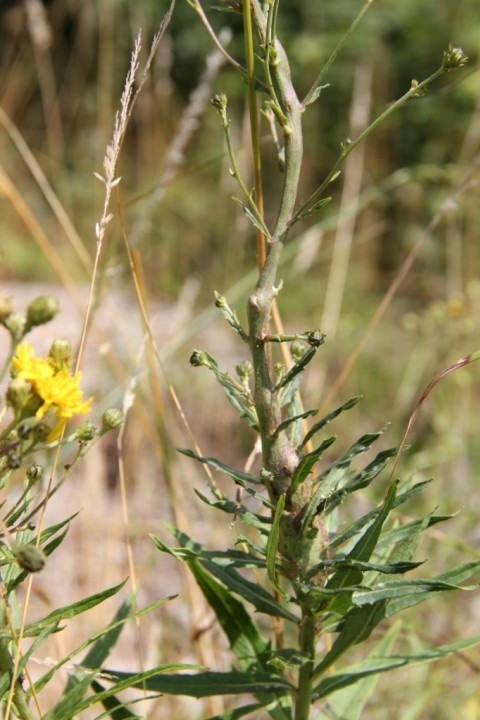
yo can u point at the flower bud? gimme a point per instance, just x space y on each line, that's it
453 58
34 473
6 309
219 102
112 419
18 393
15 325
29 557
244 369
41 310
60 355
24 431
13 461
199 358
41 431
86 432
297 350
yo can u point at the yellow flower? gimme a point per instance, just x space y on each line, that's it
58 389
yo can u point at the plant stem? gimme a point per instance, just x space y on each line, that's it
305 674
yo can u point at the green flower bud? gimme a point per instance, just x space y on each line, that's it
34 473
297 350
112 419
453 58
29 557
86 432
220 301
6 309
15 325
199 358
244 369
60 354
24 431
315 338
41 431
41 310
219 102
18 393
13 461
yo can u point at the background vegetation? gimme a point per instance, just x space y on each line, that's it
62 70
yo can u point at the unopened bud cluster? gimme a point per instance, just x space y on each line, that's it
453 58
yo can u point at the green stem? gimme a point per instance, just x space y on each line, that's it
305 679
415 90
19 696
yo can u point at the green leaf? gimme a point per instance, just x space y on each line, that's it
330 478
240 477
244 636
349 703
356 627
116 709
360 481
42 682
222 558
394 589
388 569
454 577
253 219
70 611
288 659
301 416
352 674
272 545
328 418
243 711
261 523
357 526
252 592
296 368
199 685
361 551
306 465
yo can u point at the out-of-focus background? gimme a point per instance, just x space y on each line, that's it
414 183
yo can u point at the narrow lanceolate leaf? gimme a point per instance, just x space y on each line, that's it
328 418
296 368
395 568
356 527
116 709
360 446
451 577
272 545
289 421
361 551
259 522
242 478
250 591
202 684
357 626
245 639
254 593
243 711
69 611
307 463
349 703
360 481
400 588
352 674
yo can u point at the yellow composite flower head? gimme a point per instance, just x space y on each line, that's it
57 388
